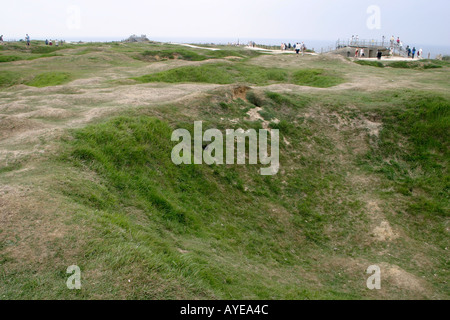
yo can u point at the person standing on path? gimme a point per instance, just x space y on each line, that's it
413 52
297 48
379 54
27 38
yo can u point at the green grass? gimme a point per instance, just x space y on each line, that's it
9 78
47 79
48 55
172 54
9 58
198 207
226 73
44 49
220 73
377 64
316 78
176 52
426 64
420 165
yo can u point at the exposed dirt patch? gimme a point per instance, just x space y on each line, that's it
400 278
240 92
48 113
382 230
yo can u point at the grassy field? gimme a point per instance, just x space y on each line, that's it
86 176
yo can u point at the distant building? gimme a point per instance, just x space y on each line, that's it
135 38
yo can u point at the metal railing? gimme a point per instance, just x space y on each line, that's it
366 43
397 48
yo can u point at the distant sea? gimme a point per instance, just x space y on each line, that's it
317 45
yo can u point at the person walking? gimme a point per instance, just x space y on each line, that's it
356 52
420 53
27 38
413 52
362 53
297 48
379 54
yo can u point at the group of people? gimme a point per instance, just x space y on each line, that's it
394 44
355 39
412 52
50 42
28 41
297 47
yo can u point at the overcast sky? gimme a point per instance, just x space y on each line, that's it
419 21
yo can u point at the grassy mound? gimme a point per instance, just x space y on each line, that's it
220 73
49 79
191 55
377 64
316 78
44 49
428 64
153 55
9 58
223 73
9 78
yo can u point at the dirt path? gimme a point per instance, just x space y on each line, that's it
196 47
